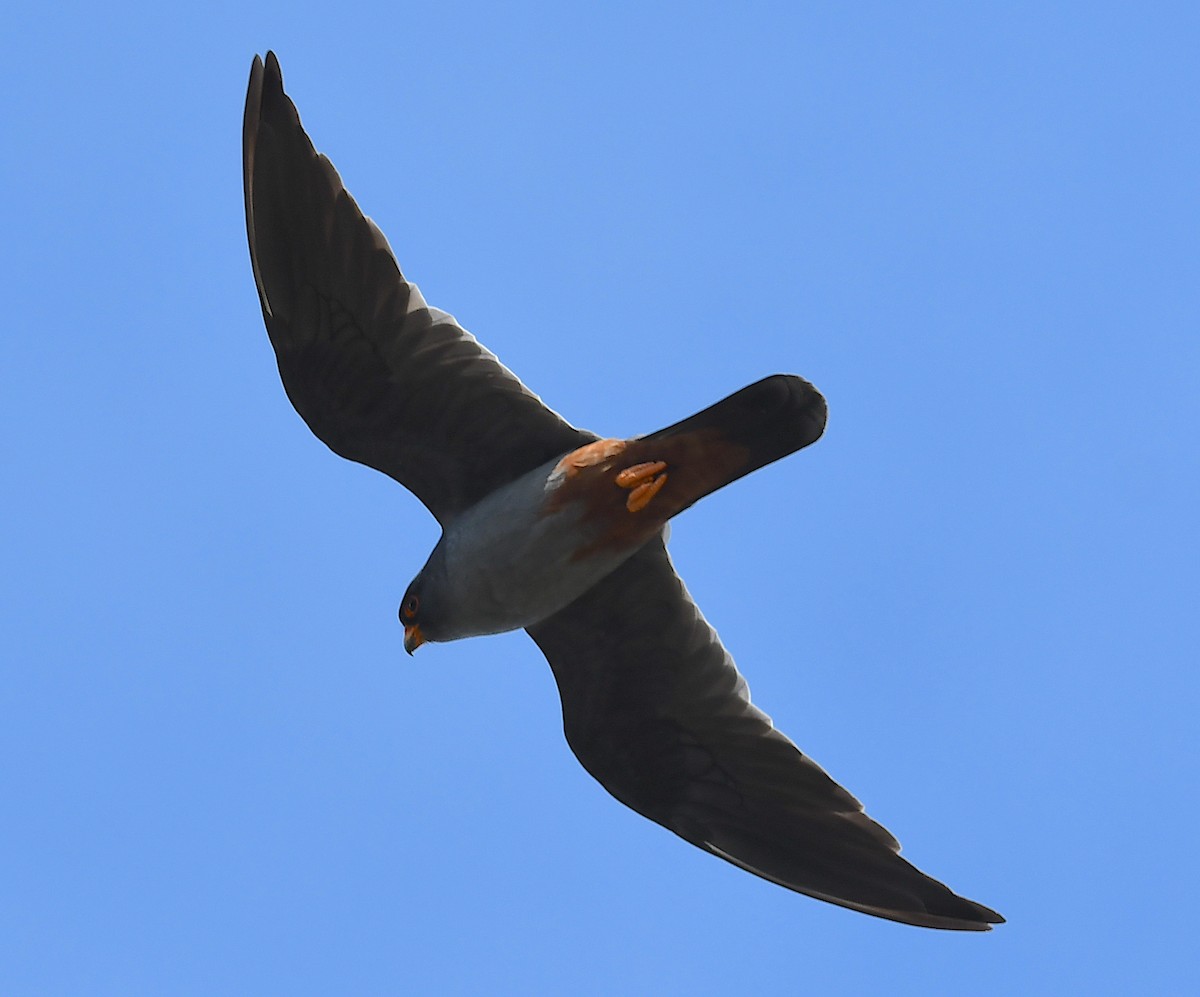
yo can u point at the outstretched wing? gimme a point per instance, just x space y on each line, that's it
377 374
655 709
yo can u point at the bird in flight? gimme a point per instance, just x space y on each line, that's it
555 530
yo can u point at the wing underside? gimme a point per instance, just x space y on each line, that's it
378 375
655 709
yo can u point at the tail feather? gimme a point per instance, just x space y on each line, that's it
751 428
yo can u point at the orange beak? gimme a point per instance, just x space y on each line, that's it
413 638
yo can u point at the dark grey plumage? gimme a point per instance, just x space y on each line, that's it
653 705
379 376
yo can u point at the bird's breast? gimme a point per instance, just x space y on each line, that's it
537 544
534 546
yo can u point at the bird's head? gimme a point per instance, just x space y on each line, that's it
412 616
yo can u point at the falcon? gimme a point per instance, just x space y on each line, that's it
560 532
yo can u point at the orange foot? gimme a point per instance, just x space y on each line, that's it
644 481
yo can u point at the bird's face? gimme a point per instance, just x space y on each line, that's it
410 616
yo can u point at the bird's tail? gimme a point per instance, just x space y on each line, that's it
751 428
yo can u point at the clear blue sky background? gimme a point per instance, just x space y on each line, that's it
974 226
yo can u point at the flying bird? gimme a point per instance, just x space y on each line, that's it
555 530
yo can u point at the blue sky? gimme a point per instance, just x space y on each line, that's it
974 227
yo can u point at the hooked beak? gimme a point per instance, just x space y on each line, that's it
413 638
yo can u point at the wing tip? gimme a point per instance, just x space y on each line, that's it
915 898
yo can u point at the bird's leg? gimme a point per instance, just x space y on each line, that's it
588 456
644 481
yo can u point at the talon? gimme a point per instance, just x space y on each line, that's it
640 497
636 474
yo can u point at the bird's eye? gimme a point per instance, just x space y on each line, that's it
410 607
